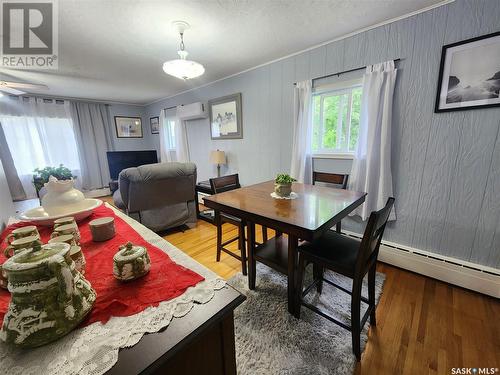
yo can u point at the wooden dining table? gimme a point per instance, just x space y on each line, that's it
315 210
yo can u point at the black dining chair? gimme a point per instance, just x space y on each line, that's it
332 178
220 185
349 257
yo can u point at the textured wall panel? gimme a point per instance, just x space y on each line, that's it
435 185
417 114
355 49
317 66
335 57
486 247
302 66
468 185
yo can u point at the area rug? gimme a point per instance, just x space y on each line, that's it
271 341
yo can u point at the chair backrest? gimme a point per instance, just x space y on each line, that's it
225 183
374 231
331 178
157 185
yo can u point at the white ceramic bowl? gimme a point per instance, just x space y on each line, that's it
46 216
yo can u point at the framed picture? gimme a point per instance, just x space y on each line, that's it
128 127
155 125
469 76
225 117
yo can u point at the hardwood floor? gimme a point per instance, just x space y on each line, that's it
423 325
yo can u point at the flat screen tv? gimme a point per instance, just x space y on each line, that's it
120 160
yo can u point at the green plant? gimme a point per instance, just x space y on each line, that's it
41 176
283 178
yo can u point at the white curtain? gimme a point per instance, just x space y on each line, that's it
371 169
91 126
39 133
173 138
301 168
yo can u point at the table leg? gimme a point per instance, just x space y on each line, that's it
293 242
251 259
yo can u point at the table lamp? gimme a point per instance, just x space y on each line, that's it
218 157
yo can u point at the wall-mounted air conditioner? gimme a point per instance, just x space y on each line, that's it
192 111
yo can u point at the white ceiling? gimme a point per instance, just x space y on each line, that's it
114 50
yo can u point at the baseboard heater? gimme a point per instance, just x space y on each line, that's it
465 274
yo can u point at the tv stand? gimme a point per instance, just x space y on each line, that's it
113 186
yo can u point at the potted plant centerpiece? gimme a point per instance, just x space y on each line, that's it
283 185
41 176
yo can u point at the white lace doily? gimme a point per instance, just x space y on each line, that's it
291 196
93 350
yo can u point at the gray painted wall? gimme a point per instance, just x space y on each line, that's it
148 142
6 205
446 166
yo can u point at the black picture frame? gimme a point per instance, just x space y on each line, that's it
453 106
121 122
154 123
234 103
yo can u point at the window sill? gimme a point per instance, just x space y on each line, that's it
334 156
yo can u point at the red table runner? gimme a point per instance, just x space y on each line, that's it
166 279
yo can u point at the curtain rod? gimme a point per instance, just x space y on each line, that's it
344 72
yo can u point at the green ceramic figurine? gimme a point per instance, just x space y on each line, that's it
131 262
49 296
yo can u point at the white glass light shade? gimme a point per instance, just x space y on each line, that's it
183 69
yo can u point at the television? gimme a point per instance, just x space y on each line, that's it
120 160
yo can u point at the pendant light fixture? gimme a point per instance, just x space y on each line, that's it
182 68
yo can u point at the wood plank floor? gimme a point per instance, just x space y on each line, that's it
423 326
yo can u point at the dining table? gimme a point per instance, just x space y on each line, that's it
304 216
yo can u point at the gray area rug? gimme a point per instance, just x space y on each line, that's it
269 340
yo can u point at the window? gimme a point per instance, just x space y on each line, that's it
38 136
170 138
336 116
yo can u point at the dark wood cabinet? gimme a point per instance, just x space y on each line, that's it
202 342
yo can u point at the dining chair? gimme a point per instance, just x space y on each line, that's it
349 257
332 178
220 185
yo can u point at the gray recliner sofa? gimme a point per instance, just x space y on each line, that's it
160 196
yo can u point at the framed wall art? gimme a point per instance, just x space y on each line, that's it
128 127
154 122
225 117
469 76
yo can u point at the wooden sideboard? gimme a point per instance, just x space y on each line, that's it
202 342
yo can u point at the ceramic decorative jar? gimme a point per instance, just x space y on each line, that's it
102 229
131 262
49 297
61 193
18 233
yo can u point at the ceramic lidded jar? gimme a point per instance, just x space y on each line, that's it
131 262
49 296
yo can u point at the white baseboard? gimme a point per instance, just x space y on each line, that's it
467 275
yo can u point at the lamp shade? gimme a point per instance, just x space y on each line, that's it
218 157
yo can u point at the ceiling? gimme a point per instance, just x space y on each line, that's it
114 50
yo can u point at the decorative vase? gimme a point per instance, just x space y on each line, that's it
61 193
131 262
49 296
283 190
